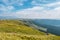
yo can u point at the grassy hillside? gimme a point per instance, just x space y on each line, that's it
17 30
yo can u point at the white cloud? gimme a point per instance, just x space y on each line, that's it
44 14
29 13
11 2
54 5
10 7
34 3
26 13
4 9
36 8
37 12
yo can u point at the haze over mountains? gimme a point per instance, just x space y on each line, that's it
52 26
48 21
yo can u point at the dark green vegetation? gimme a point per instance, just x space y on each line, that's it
53 26
18 30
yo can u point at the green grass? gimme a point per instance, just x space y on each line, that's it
18 30
15 26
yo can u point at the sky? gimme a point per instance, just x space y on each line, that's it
30 9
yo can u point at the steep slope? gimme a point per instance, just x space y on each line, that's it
16 26
18 30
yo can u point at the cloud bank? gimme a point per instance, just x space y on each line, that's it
35 9
39 13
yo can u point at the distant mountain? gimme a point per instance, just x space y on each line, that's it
51 26
18 29
47 22
47 25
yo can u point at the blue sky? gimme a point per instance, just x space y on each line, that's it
41 9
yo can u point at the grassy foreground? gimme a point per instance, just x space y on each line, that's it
17 30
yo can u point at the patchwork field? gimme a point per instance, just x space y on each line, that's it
18 30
